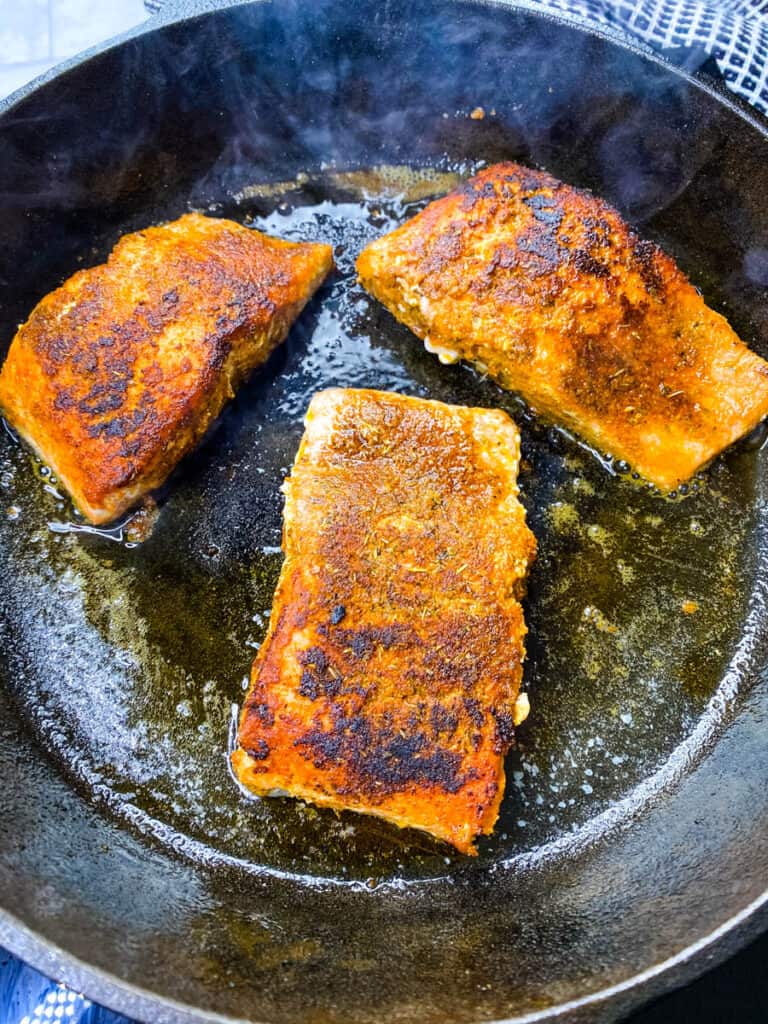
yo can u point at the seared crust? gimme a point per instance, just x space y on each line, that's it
388 682
117 374
547 288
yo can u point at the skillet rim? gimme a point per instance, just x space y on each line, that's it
132 1001
695 959
176 12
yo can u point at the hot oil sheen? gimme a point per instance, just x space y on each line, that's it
131 658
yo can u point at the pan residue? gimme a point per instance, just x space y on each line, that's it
129 658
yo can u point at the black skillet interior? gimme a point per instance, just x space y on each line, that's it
634 824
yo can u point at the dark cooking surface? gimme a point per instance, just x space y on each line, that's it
146 648
123 662
734 993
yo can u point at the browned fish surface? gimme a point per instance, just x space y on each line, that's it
546 288
118 374
389 680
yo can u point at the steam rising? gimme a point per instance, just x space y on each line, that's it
193 114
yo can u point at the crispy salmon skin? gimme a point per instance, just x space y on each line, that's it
389 680
119 372
547 289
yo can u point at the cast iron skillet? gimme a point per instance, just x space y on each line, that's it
632 850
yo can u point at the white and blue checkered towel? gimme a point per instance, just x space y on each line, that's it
734 32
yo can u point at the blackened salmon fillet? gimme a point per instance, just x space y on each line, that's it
389 679
548 290
118 373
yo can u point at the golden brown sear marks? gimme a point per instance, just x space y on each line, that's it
546 288
119 372
389 680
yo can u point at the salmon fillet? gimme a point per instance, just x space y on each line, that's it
547 289
119 372
389 680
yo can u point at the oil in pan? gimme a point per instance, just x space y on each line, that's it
131 657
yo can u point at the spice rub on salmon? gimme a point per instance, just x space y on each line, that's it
119 372
547 289
389 680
